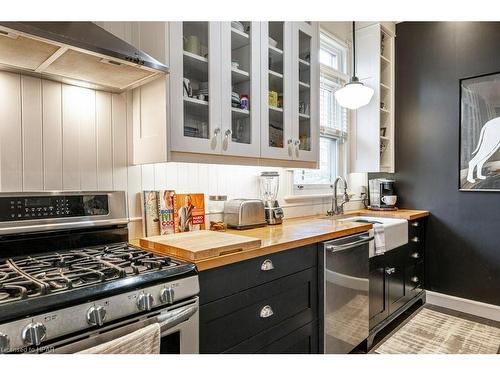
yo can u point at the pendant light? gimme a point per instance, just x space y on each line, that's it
354 94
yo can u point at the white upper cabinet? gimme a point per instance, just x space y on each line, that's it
237 92
277 90
290 87
240 64
372 141
195 87
305 108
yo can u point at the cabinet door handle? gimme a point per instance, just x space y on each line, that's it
390 270
415 239
267 265
415 255
415 279
415 224
266 312
227 133
290 147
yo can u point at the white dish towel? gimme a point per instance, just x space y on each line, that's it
379 234
143 341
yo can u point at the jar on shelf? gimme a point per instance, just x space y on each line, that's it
216 212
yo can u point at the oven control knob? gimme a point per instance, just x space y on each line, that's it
145 301
96 316
4 343
167 295
34 333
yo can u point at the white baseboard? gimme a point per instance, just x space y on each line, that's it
483 310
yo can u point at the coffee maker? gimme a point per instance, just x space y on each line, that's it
382 194
269 185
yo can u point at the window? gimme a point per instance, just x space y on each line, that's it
333 119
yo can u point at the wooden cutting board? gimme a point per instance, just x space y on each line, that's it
200 244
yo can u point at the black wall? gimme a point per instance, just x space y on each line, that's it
464 230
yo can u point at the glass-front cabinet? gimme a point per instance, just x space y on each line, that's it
276 76
195 91
240 88
305 109
245 89
289 81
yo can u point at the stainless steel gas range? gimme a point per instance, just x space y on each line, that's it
69 280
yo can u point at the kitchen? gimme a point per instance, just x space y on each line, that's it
248 187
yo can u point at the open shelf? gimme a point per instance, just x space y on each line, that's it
239 39
384 86
276 109
385 110
385 59
238 75
303 116
387 139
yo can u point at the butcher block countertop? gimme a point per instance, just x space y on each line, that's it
297 232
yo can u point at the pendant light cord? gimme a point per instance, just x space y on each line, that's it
353 50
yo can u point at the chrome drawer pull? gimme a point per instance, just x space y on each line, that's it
414 279
390 271
266 312
415 255
415 239
415 224
267 265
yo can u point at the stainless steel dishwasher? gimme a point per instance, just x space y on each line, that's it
345 291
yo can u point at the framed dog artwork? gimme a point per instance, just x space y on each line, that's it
480 133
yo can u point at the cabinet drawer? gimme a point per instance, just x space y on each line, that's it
231 320
223 281
301 341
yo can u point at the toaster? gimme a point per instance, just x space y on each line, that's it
244 213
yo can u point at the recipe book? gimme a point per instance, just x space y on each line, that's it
189 212
166 211
150 217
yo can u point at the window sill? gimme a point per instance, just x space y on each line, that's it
309 197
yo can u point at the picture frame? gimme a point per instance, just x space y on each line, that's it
479 133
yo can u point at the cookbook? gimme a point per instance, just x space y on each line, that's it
166 211
189 212
150 217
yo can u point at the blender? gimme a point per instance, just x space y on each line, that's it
269 184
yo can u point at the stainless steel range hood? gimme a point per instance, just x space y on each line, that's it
78 53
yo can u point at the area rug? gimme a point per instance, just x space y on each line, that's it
432 332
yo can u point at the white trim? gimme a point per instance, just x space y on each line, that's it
483 310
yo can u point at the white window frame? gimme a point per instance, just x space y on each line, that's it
343 145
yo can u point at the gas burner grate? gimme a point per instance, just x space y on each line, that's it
30 276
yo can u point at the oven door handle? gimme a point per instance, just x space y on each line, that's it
173 318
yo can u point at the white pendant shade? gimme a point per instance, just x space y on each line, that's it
354 95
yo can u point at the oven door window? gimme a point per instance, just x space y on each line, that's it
171 343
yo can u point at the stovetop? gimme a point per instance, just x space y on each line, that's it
48 278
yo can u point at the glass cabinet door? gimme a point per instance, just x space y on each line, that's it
305 111
241 88
195 86
276 86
